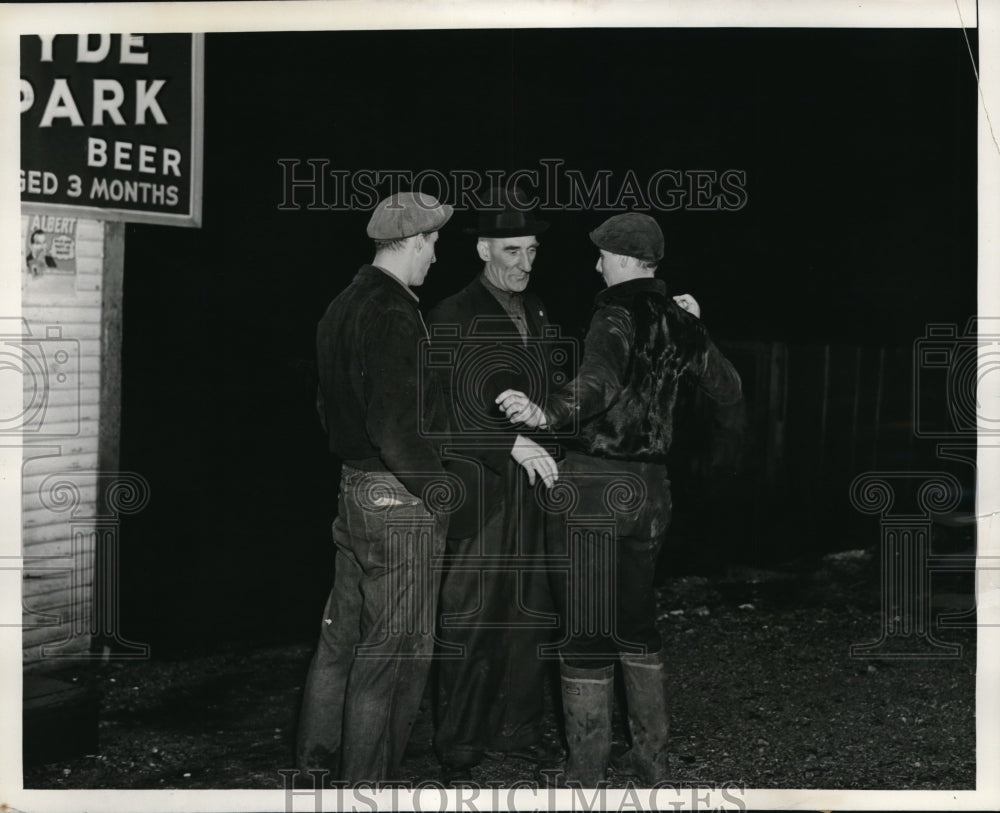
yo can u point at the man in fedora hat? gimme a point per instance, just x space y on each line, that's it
640 342
367 677
495 606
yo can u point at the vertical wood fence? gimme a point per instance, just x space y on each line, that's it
814 417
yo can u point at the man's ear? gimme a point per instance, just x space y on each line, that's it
484 249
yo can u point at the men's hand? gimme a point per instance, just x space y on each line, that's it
535 460
521 410
689 303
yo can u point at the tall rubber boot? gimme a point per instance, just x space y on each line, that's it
648 718
588 697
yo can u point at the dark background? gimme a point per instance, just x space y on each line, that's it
859 230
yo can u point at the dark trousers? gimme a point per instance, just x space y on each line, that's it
496 611
608 524
363 691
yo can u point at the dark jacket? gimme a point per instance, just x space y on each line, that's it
639 345
376 409
482 355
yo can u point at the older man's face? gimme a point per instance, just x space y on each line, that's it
508 260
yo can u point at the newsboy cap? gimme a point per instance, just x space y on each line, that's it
407 213
631 235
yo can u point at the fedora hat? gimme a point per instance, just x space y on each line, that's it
507 215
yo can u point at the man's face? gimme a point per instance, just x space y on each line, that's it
609 266
38 245
425 256
508 260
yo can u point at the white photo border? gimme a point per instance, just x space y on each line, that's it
19 19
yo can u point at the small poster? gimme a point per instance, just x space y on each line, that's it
50 246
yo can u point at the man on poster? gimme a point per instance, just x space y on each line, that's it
640 343
39 260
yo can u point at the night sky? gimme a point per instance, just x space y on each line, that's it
859 228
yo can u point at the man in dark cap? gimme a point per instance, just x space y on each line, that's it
367 677
496 607
640 343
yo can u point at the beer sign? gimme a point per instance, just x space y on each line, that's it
111 126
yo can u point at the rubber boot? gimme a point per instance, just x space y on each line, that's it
648 718
588 697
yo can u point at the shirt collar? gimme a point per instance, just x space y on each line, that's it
398 281
634 286
499 293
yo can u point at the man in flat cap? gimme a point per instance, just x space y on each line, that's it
367 677
496 607
640 343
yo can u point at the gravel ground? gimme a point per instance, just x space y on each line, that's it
765 694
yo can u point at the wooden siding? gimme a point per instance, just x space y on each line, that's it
59 473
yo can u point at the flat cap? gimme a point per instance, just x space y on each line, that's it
407 213
631 235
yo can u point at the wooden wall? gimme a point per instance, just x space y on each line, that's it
820 415
62 393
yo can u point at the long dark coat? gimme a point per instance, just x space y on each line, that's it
496 606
